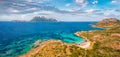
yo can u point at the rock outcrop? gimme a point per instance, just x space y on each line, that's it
108 20
107 23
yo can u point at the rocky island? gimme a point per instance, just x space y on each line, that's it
42 19
103 43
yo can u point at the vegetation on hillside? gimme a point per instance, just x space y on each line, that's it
59 49
108 23
107 42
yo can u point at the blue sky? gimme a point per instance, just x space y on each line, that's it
63 10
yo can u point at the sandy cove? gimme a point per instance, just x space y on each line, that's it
85 44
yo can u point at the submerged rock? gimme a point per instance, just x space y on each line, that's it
36 44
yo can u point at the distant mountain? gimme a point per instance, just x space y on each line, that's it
108 23
108 20
43 19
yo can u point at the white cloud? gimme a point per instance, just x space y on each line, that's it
67 5
90 11
38 1
95 2
111 12
115 2
30 9
23 16
14 17
83 3
45 12
13 10
71 10
80 1
29 0
19 4
108 12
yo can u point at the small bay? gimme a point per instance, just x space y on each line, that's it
18 37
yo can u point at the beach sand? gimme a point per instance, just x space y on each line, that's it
85 44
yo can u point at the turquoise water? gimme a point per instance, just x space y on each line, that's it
18 37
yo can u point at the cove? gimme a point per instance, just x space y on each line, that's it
18 37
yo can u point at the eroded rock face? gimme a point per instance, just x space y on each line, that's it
108 20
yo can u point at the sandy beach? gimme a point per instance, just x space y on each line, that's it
85 44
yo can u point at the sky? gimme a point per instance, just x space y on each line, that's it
62 10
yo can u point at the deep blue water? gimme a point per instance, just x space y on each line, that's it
18 37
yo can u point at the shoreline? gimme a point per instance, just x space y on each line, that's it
86 39
86 44
36 50
94 26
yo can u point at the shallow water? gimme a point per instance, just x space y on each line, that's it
18 37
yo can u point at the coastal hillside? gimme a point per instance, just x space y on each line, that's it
108 23
55 48
43 19
108 20
104 43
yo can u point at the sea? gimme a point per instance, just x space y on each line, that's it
17 38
